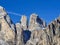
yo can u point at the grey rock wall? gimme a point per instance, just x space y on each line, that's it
33 33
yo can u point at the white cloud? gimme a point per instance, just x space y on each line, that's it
14 13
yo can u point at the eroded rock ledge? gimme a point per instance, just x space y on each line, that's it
33 33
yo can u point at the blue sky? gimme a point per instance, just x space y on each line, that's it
48 10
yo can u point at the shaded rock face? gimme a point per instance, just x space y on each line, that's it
33 33
26 35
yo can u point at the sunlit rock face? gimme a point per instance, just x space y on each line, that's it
35 22
2 12
24 22
19 35
38 37
6 32
53 30
33 33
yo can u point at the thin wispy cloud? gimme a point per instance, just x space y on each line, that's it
17 14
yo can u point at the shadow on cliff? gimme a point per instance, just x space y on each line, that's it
39 20
26 35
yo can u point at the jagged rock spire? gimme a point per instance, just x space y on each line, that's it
2 12
6 32
49 36
24 22
36 22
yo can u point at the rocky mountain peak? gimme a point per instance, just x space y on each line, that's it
36 22
24 22
2 12
33 33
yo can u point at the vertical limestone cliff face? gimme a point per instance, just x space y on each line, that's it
24 22
53 30
7 35
33 33
19 36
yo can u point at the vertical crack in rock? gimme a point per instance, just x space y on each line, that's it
0 27
15 40
19 34
53 27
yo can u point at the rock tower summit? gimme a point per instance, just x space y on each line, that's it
2 12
